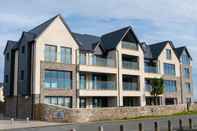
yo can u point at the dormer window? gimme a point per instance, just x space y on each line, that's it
168 54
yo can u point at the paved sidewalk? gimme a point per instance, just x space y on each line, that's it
8 124
130 125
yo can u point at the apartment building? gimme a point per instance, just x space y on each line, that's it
51 64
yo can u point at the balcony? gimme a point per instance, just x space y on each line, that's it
101 61
130 62
99 64
129 45
130 86
150 69
104 85
130 65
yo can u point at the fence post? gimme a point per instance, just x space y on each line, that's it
140 127
27 119
121 127
190 123
169 125
156 126
73 129
101 128
180 124
12 120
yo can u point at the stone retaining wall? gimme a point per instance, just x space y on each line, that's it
61 114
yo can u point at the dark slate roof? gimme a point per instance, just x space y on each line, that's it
110 40
157 48
180 50
10 45
40 28
86 41
147 51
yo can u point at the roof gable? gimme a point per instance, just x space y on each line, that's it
180 50
157 48
10 45
111 40
42 27
37 31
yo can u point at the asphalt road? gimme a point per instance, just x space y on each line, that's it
130 125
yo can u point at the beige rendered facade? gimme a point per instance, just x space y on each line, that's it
85 71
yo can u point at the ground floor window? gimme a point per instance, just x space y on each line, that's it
100 102
131 101
104 101
171 101
150 100
82 102
59 100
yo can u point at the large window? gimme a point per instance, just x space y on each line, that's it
66 55
168 54
82 58
169 69
50 53
82 78
186 73
59 100
57 79
170 86
188 87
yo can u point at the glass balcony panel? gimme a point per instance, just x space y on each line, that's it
129 45
130 86
98 61
129 65
104 85
151 69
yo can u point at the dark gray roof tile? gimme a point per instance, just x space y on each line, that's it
86 41
180 50
40 28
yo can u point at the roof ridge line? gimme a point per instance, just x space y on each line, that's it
117 30
44 22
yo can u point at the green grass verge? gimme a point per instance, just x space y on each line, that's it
160 116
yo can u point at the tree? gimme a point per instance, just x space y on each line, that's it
157 88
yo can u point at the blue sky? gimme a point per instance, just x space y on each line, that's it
152 20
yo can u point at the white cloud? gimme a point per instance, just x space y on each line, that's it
171 19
